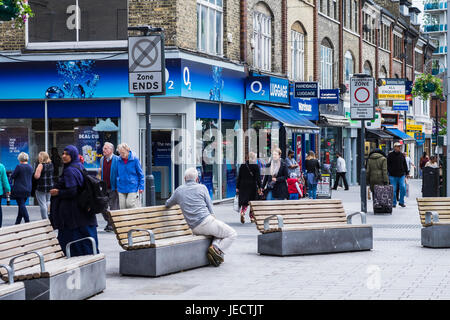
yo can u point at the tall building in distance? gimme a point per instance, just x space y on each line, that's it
435 25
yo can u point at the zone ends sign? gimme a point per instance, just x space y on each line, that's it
362 98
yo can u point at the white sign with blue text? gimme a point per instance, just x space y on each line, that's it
400 105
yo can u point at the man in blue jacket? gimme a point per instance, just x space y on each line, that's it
130 177
108 173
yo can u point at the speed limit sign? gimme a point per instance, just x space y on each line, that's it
362 105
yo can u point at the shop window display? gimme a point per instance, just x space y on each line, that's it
230 158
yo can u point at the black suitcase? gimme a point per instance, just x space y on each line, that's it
382 198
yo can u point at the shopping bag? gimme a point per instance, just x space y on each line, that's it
236 203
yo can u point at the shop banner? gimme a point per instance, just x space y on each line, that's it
329 96
391 89
265 88
12 142
83 79
307 107
400 105
89 146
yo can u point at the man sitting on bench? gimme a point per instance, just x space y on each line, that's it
196 205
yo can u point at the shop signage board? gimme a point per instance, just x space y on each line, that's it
400 105
420 138
324 187
392 89
329 96
414 127
265 88
362 105
307 107
146 70
306 89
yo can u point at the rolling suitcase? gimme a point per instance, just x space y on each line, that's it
382 198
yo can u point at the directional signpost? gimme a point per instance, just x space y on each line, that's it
146 77
362 107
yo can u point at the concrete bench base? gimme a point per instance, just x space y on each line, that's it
14 294
301 242
154 262
436 236
77 284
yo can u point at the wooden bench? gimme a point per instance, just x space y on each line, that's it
157 241
35 257
294 227
435 218
11 290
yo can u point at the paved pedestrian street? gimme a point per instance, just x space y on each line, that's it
398 267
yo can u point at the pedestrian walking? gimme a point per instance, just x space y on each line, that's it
377 173
341 171
44 182
108 173
66 216
294 187
196 205
5 188
312 167
248 184
397 170
423 161
275 182
130 178
21 186
293 167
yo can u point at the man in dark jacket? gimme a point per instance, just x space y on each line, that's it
397 170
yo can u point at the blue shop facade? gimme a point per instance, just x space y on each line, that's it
50 101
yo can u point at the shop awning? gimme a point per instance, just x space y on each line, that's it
378 134
290 118
334 121
400 135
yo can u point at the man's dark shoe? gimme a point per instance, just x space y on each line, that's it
394 206
212 260
109 229
216 253
402 205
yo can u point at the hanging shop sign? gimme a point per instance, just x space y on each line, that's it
329 96
307 107
400 105
306 89
391 89
420 138
389 119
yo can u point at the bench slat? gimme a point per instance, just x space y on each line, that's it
47 251
24 234
156 231
30 247
432 199
123 220
25 241
156 226
141 210
146 239
161 220
304 221
295 207
7 288
35 261
24 226
315 227
300 215
283 202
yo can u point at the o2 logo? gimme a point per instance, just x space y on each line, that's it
257 88
74 20
187 78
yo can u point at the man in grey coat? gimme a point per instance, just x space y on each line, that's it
196 205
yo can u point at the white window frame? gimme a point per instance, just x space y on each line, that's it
262 39
298 55
109 44
218 39
348 60
326 67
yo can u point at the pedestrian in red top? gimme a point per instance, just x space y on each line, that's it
295 192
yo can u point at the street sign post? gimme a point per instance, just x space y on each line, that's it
362 107
146 77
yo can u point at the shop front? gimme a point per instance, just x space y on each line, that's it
83 100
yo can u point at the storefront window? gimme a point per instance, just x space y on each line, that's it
231 146
87 134
329 145
208 154
267 130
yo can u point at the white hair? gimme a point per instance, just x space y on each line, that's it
23 157
190 174
110 145
123 146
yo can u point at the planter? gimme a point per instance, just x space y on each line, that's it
429 87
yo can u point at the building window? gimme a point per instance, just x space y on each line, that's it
356 11
262 37
75 22
335 9
367 68
383 73
344 12
298 55
210 26
398 47
385 35
349 65
326 65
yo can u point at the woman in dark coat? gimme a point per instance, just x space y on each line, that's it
275 182
71 222
248 184
21 188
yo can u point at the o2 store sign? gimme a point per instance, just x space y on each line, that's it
267 88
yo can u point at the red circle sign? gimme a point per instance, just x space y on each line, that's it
362 95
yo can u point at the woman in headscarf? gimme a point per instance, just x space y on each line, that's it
71 222
276 181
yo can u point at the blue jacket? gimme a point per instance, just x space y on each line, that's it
113 176
4 183
130 177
